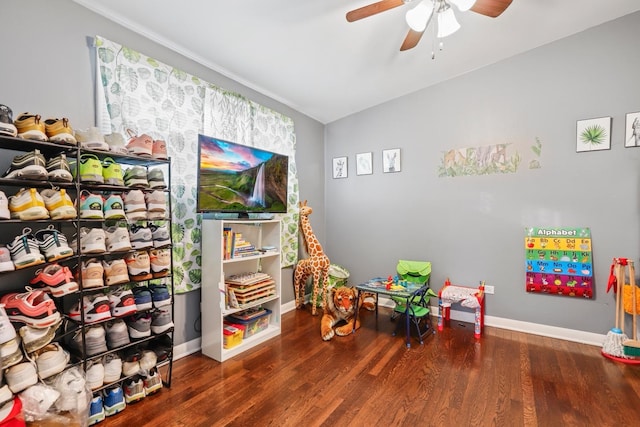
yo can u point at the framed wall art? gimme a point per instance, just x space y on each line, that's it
340 167
632 130
391 160
364 164
593 134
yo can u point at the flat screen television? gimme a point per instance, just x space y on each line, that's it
236 178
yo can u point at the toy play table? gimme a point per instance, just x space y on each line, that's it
467 297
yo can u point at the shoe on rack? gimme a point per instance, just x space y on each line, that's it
6 122
89 169
95 307
58 203
50 360
139 265
160 260
162 347
5 259
134 205
91 205
34 339
112 172
159 294
152 382
139 325
92 241
91 139
155 178
115 272
117 238
4 206
131 361
113 401
96 410
53 243
95 340
159 150
30 165
116 143
161 236
114 207
21 376
117 333
30 126
58 169
156 204
148 360
139 145
161 320
136 177
33 308
10 353
27 205
133 389
112 367
143 297
91 273
55 279
25 251
122 303
59 131
95 374
38 400
140 237
72 387
7 331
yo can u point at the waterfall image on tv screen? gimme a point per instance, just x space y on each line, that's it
237 178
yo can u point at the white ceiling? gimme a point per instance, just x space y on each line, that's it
306 55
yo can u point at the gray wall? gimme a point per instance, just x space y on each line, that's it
50 70
472 228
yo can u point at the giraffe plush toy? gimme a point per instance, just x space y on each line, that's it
317 264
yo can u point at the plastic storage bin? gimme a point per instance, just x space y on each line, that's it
232 336
252 325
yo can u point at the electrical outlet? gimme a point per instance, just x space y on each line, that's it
489 289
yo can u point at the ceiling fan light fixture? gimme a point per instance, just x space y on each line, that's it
418 17
463 5
447 23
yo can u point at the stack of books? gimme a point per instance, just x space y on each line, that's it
235 246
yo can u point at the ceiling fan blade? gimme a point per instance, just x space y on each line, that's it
372 9
491 8
412 39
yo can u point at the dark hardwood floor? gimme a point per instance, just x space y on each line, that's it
371 378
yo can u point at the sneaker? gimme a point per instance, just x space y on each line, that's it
95 340
134 205
116 143
139 265
91 273
152 382
92 241
29 126
50 360
95 374
161 236
162 347
6 122
58 169
122 303
113 401
139 325
38 400
7 331
91 205
114 207
89 169
10 353
117 238
159 150
5 259
4 206
155 178
115 272
21 376
160 295
55 279
148 360
143 297
112 367
161 321
27 205
112 172
91 139
136 177
156 204
73 390
139 145
25 250
58 203
95 308
131 361
160 260
140 237
31 165
59 130
117 334
96 410
53 243
133 389
34 339
33 308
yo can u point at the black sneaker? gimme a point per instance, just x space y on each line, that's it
58 169
6 122
27 166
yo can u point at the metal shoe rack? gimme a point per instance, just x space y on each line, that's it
14 281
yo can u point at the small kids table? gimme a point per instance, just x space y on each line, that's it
467 297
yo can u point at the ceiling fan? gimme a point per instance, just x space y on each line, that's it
421 15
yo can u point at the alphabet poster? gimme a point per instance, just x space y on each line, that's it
558 261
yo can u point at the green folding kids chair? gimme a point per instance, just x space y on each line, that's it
418 272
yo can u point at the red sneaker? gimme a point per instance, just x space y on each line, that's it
56 279
33 308
159 150
140 145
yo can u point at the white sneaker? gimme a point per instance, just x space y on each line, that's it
51 360
148 360
92 241
34 339
134 205
96 308
7 331
139 236
117 239
10 353
161 236
53 243
58 203
160 260
4 206
116 143
122 303
91 139
156 204
95 374
92 273
112 368
21 376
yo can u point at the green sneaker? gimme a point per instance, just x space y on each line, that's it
90 168
112 172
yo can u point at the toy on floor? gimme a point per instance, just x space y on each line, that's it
467 297
317 265
341 305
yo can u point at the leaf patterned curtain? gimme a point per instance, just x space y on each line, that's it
144 95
